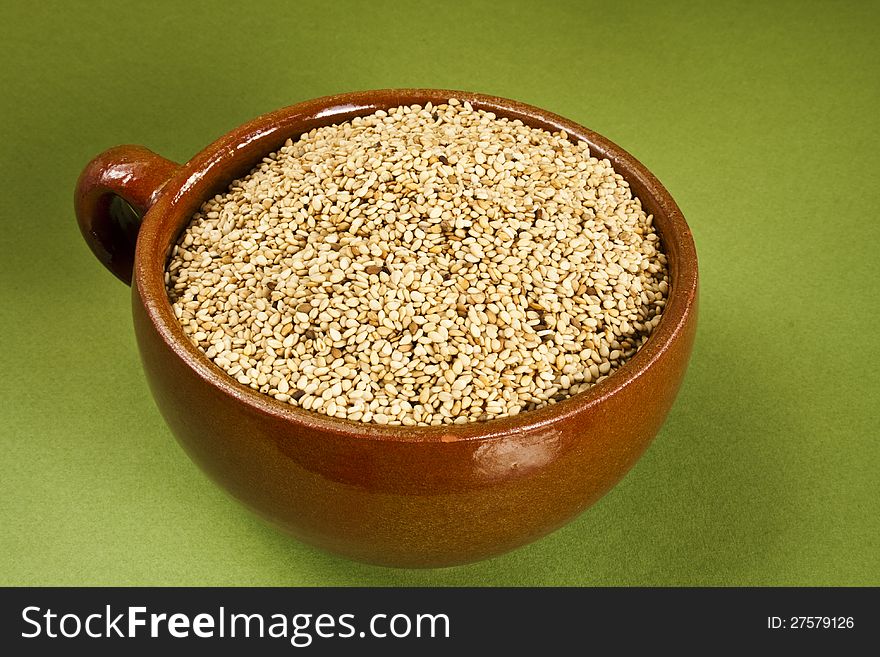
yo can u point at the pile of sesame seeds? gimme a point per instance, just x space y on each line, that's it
420 266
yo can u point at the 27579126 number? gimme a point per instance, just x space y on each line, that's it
811 623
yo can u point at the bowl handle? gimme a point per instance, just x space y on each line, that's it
113 193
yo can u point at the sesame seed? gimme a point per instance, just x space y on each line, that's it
362 273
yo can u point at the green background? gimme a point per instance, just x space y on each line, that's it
759 117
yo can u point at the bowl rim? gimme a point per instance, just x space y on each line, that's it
210 171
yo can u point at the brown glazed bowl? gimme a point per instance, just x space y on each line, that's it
402 496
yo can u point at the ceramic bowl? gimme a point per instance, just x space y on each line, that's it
402 496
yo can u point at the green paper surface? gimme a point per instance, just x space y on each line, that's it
759 117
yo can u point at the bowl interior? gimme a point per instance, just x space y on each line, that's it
235 154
